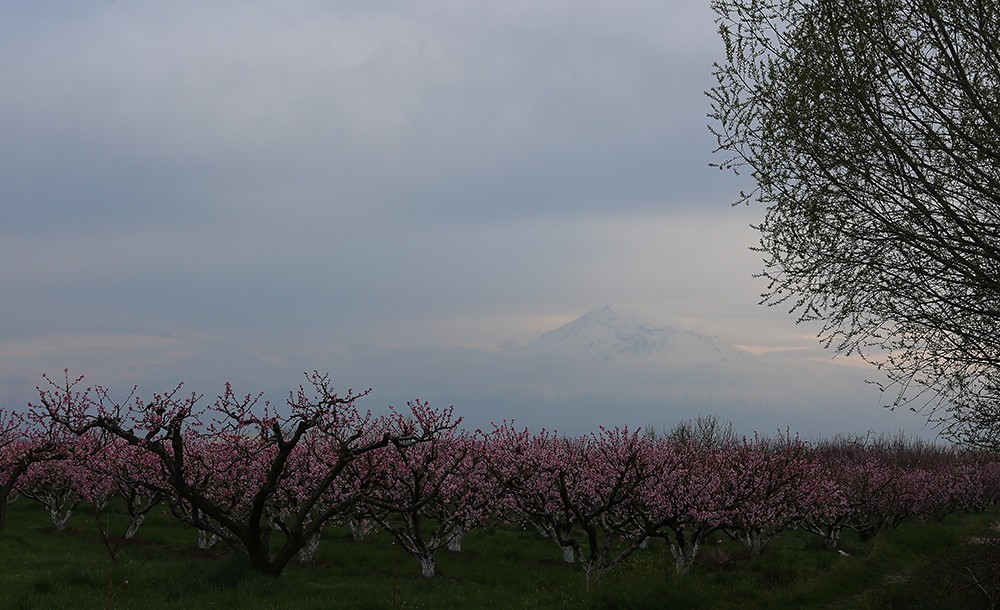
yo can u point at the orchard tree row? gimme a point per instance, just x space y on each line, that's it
267 482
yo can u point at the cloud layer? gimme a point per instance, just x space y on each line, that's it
303 178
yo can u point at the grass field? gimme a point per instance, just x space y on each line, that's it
918 565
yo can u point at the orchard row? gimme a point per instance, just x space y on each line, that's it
267 482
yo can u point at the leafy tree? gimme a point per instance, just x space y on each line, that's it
872 131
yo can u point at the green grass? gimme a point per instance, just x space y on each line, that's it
918 565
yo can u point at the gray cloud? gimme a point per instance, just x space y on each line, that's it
429 108
303 176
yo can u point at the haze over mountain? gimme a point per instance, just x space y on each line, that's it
602 368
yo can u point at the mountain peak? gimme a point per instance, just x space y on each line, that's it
604 334
602 313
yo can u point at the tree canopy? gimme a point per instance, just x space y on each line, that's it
872 131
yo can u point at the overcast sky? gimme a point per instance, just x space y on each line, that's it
297 176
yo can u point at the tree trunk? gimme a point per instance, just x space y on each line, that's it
832 538
427 566
592 571
753 539
569 554
455 541
308 552
61 505
59 518
358 527
205 541
133 526
5 491
683 554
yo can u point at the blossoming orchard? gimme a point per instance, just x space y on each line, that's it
267 481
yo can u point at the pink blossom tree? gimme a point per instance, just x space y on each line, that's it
22 443
856 489
512 460
343 500
524 465
767 484
609 473
93 468
430 492
686 501
224 465
989 473
949 485
53 484
137 478
582 491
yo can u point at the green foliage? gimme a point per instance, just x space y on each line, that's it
917 565
872 131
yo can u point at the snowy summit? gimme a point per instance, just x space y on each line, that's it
607 335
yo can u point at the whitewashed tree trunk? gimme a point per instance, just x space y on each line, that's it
590 571
133 527
547 531
59 518
359 528
427 566
683 556
569 554
61 505
755 541
455 540
205 541
308 552
832 539
100 503
830 532
139 505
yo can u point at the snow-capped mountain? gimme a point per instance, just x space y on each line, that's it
603 368
607 335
